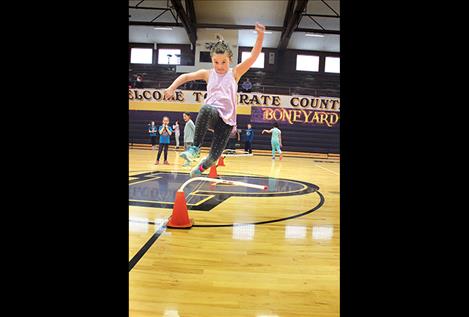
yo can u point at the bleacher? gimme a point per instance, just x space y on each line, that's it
294 83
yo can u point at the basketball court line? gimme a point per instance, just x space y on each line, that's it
319 205
269 155
200 202
145 180
136 258
327 170
146 247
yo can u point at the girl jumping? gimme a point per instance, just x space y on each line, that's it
219 109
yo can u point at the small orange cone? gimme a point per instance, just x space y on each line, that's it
221 161
213 172
180 216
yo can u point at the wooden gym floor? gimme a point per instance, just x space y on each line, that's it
250 253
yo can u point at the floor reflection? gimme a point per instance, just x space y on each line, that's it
171 313
295 232
138 225
243 232
322 232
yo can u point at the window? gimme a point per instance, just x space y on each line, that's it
169 56
307 63
259 63
141 56
205 57
332 65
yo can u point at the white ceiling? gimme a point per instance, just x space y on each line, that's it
328 43
145 34
241 12
270 13
248 38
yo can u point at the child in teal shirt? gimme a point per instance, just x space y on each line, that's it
276 140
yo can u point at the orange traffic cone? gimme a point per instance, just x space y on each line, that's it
180 217
221 161
213 172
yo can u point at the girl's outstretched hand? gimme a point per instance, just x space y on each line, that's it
169 94
260 28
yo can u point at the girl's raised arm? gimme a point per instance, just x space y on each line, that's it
243 67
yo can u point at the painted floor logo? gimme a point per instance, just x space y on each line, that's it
158 189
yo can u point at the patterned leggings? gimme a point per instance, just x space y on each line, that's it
208 118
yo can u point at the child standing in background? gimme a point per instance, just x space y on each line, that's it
165 133
189 129
249 138
176 132
276 140
152 131
219 109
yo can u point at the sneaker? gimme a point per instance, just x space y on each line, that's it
166 163
197 170
273 157
157 163
192 153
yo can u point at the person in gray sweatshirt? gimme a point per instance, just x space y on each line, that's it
189 131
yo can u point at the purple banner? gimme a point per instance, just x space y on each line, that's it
294 116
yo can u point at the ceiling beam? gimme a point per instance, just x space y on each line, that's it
231 27
337 14
322 15
155 18
236 26
206 25
148 8
318 31
316 22
188 25
191 12
293 21
288 12
155 24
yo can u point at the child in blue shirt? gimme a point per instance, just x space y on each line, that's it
165 132
249 138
